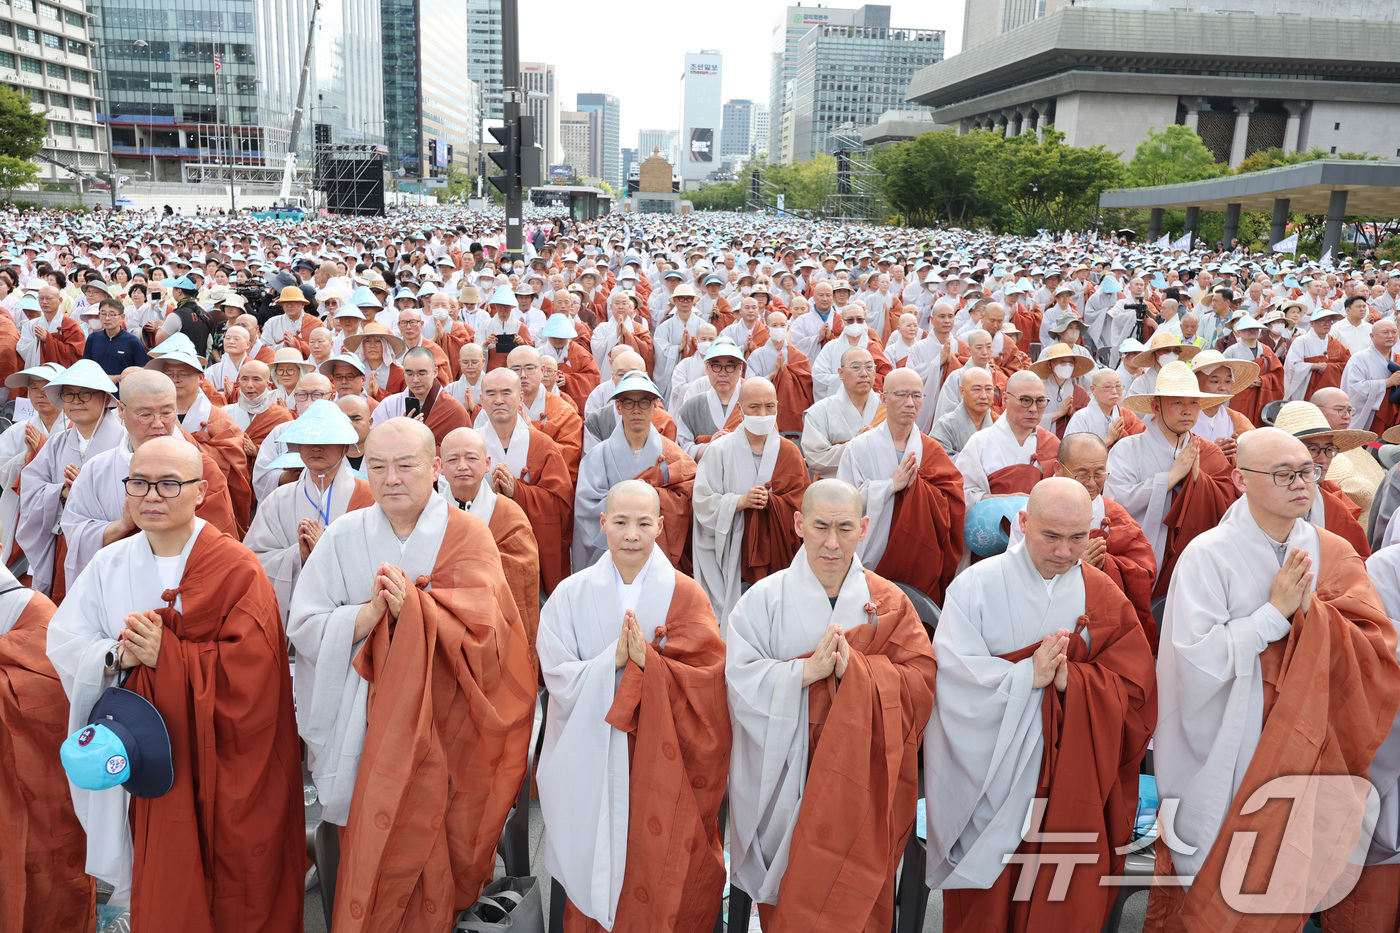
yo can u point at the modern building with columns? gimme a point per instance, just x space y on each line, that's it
1243 82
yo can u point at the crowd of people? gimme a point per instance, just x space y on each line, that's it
819 527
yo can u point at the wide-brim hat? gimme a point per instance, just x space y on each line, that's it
183 356
291 355
1392 435
349 359
322 423
723 347
1064 321
1176 380
1242 372
125 743
291 460
45 371
1057 353
177 343
1305 420
559 327
1164 340
685 291
291 293
84 374
375 329
504 295
635 381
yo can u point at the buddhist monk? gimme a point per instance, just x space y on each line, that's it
1277 660
1315 359
1036 645
636 746
465 467
831 423
1332 508
42 882
976 391
715 408
601 422
578 371
423 399
1015 453
417 741
293 518
637 451
550 414
788 368
189 613
528 467
254 412
746 491
1268 385
824 781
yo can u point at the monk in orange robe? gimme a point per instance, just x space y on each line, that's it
1250 401
550 414
61 339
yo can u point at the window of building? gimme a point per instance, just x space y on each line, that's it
200 20
57 71
74 19
1336 126
53 42
31 65
78 77
7 60
82 104
77 48
85 131
25 34
57 100
48 11
26 6
5 28
58 128
1334 150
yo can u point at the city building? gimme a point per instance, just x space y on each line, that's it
540 83
1108 76
665 140
576 139
428 107
484 54
736 134
47 55
629 159
607 151
897 126
852 74
759 143
788 31
700 116
171 102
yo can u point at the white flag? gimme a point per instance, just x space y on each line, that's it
1288 244
1183 243
1326 259
1164 243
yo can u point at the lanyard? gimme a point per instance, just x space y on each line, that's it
323 514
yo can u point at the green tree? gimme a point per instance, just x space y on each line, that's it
1030 184
934 176
803 184
21 136
720 196
1174 155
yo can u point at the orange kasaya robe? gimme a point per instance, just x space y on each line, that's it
1336 359
1096 734
641 341
225 849
520 560
1078 399
548 500
396 383
1251 401
1343 517
883 367
793 382
1129 562
223 441
1199 503
263 422
1374 904
10 361
563 425
722 314
300 338
495 359
65 343
1020 477
444 413
1326 687
770 539
217 507
1012 359
674 876
43 879
736 418
1027 319
926 528
451 696
215 395
1132 424
581 374
441 360
676 487
840 874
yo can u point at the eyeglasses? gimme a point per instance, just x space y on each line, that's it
76 395
856 320
1348 411
718 367
1082 476
165 488
304 396
1330 450
527 368
859 367
151 417
635 404
904 396
1025 401
1312 473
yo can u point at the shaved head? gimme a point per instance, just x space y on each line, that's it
1056 523
173 455
627 361
1023 381
1080 442
904 379
459 438
630 489
253 366
143 384
756 388
833 492
382 435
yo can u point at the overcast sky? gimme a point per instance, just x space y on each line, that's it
635 50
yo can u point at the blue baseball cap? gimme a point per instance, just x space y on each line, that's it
184 283
125 743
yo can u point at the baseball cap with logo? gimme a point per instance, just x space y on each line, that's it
125 743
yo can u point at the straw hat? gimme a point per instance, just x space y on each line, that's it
375 329
1243 371
291 294
1164 340
1391 435
291 355
1305 420
1176 380
1056 353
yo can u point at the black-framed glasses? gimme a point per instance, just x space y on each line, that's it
310 396
1317 450
76 395
635 404
165 488
1027 402
717 367
1312 473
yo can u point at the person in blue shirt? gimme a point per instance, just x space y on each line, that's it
113 347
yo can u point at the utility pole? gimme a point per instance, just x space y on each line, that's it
510 89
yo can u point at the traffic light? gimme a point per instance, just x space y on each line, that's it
507 159
531 155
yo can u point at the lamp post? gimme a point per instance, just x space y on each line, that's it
150 104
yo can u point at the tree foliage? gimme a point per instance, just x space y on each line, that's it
1173 155
934 177
21 128
16 172
720 196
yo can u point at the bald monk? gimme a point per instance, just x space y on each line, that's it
788 368
831 423
746 491
634 663
421 782
471 364
913 495
465 466
423 399
599 424
188 611
550 414
1036 645
254 412
976 391
528 467
637 451
293 518
796 787
1015 453
1276 659
42 882
96 514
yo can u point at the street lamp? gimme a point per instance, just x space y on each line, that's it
151 106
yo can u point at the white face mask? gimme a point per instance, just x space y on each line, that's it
1064 370
703 346
854 331
778 334
1276 327
1165 358
759 424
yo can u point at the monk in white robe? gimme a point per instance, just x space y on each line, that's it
1015 453
936 358
310 388
949 396
466 388
20 442
833 421
708 412
826 378
976 390
1367 380
1103 416
1315 359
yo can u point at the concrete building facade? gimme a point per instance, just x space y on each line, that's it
540 83
665 140
761 127
576 139
791 26
700 116
736 134
607 148
483 54
424 98
1244 83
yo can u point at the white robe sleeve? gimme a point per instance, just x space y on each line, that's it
718 531
589 543
272 536
84 519
821 454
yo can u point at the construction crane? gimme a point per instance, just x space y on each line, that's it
289 170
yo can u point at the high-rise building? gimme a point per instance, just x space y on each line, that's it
160 62
987 19
700 116
736 136
759 143
49 59
650 140
540 83
606 147
852 74
428 107
576 139
484 54
788 31
629 160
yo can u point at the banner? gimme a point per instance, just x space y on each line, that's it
1326 259
1183 243
1288 244
1164 243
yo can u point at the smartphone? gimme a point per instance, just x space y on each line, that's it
411 405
